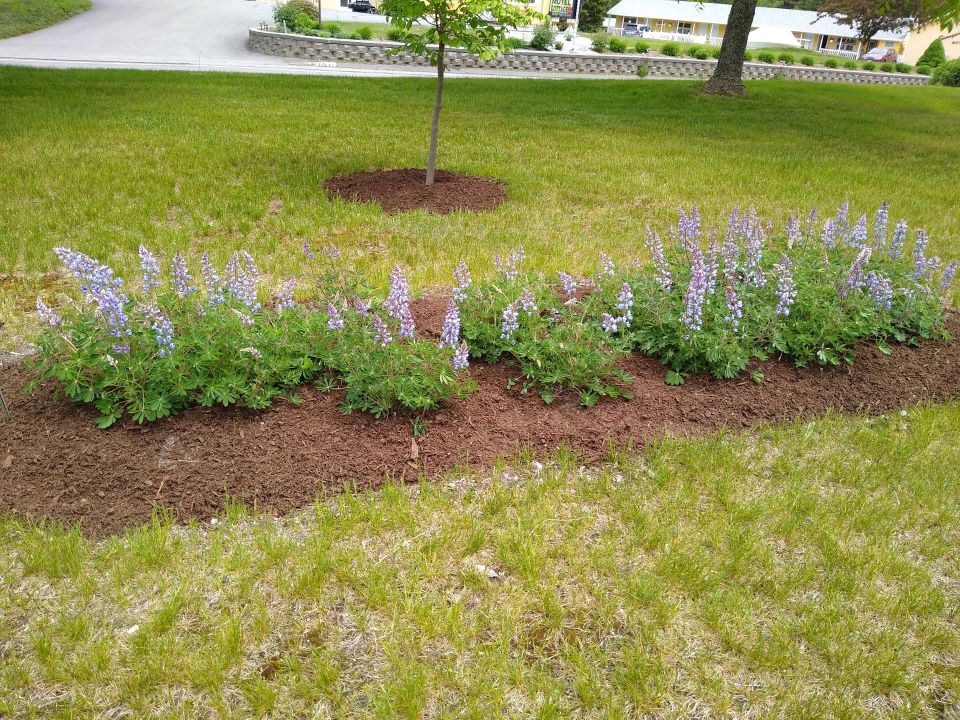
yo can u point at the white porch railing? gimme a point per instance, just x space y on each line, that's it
840 53
672 37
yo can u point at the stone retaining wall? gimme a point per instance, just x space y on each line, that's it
359 52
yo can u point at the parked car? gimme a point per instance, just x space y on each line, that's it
882 54
633 30
363 6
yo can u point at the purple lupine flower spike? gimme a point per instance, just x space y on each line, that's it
786 290
608 267
462 275
527 302
753 258
609 323
399 296
150 268
47 316
211 280
381 332
920 255
794 234
828 236
858 236
162 329
899 240
810 231
451 327
308 252
511 321
334 318
880 290
696 292
625 303
407 328
331 251
946 278
880 226
461 358
100 286
855 277
285 295
842 222
182 282
655 245
734 305
568 284
361 306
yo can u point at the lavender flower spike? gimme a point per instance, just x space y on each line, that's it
100 286
527 302
511 322
461 358
451 327
655 245
162 329
609 323
568 284
734 306
308 252
841 222
334 318
794 234
625 303
880 226
899 239
920 255
855 277
285 295
462 276
399 296
47 316
150 268
858 236
381 332
211 280
407 328
609 268
696 292
181 277
828 236
331 251
786 290
880 290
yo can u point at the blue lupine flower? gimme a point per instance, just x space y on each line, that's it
399 297
880 226
211 281
899 240
47 316
181 277
510 267
730 250
712 261
150 268
381 332
810 231
451 327
753 273
794 234
855 276
880 289
946 278
334 318
734 305
361 306
308 251
609 323
607 266
100 286
625 302
858 236
841 222
933 264
655 245
461 358
920 255
828 236
462 275
527 302
696 292
162 329
331 251
285 295
688 228
511 321
786 290
407 328
568 284
242 279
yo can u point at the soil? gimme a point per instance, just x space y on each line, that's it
402 190
55 463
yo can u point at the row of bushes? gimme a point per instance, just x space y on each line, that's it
300 16
809 295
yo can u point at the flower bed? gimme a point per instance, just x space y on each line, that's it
709 302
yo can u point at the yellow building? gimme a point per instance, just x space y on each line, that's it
705 23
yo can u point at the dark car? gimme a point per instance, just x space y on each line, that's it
633 30
363 6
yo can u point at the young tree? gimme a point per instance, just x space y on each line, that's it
727 78
934 55
479 26
868 17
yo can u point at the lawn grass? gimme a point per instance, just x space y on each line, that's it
22 16
809 571
105 160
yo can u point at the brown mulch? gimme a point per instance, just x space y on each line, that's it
402 190
55 463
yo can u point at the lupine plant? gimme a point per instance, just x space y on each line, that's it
708 302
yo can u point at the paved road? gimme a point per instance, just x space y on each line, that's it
182 35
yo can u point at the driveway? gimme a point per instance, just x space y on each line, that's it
171 34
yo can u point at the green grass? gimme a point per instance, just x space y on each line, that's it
811 571
106 160
22 16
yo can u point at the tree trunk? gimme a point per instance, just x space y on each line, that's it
728 77
319 19
435 129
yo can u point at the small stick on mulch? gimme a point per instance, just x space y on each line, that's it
403 190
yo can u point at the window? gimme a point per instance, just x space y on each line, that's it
846 44
684 28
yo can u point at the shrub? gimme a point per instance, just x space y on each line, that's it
869 66
286 13
643 71
617 45
395 35
807 60
332 29
542 38
765 56
934 55
701 54
364 33
670 49
850 65
947 74
558 45
715 52
887 68
515 44
787 58
830 63
690 50
600 44
642 47
923 69
747 56
903 68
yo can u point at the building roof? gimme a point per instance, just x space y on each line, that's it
801 21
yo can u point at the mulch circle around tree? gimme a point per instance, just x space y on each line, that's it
56 464
402 190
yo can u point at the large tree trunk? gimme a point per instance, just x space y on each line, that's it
435 129
728 77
